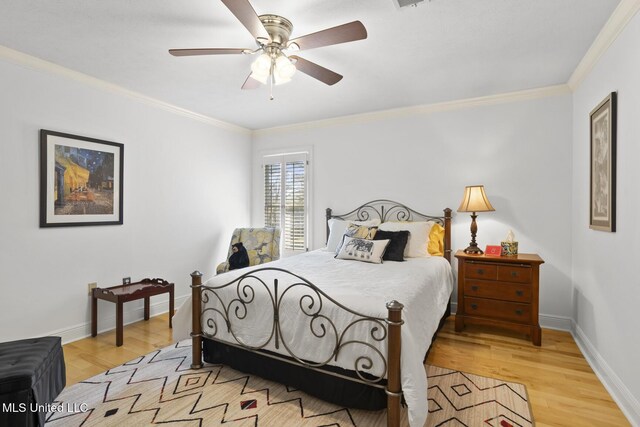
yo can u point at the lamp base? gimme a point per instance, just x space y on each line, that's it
473 249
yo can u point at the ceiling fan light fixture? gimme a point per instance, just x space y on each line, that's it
272 34
284 69
262 65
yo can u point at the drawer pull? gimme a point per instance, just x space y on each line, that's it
514 274
519 312
519 293
480 271
474 306
474 288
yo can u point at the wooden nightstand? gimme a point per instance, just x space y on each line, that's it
499 291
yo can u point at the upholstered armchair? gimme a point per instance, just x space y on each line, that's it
262 245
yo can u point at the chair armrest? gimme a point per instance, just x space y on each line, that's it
223 267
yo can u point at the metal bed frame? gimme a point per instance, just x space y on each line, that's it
206 323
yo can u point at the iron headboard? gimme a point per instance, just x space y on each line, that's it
388 210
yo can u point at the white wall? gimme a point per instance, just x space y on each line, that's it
520 151
605 272
186 186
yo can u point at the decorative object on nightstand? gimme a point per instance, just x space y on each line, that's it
474 200
493 250
499 292
509 245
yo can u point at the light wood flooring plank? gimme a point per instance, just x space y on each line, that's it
562 388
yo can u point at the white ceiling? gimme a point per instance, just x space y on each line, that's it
440 51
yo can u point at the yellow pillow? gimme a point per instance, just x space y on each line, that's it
435 246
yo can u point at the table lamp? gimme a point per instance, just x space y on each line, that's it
474 200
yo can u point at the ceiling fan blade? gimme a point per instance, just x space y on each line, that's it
341 34
245 13
207 51
316 71
250 83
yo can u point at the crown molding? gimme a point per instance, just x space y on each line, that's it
422 109
38 64
618 20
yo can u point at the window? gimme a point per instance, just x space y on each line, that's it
285 198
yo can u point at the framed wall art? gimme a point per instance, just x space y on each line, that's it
81 180
602 215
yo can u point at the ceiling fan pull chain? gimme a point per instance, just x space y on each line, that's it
271 79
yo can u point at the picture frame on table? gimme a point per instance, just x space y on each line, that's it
602 194
81 180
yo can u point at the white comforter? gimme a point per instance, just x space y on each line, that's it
423 285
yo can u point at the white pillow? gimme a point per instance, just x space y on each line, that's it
418 236
363 250
337 227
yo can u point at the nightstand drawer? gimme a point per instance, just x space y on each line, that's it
473 270
503 291
514 273
512 311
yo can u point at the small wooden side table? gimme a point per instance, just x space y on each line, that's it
499 291
146 288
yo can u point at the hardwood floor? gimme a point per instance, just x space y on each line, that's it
562 388
90 356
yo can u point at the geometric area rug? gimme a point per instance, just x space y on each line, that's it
161 388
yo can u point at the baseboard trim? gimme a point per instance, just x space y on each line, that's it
83 330
615 386
559 323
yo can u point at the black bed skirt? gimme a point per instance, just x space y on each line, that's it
327 387
324 386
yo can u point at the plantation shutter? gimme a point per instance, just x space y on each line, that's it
285 199
272 193
294 206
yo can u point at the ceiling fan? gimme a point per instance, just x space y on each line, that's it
275 65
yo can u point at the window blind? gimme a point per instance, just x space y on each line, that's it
294 206
272 193
285 198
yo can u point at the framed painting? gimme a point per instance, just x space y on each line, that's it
602 209
81 180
